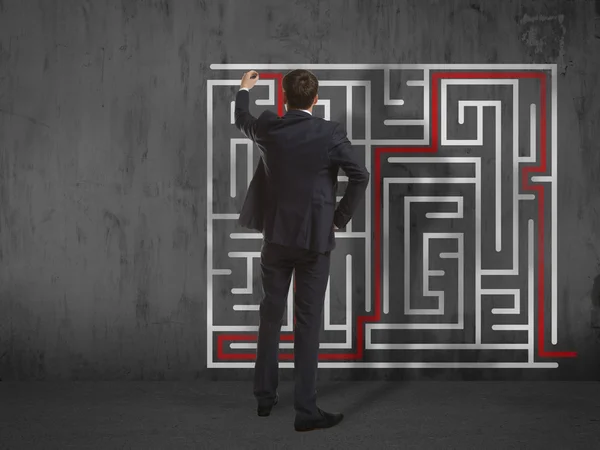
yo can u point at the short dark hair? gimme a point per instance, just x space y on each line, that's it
301 87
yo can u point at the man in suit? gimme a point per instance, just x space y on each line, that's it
292 201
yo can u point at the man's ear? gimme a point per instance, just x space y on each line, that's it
316 99
284 98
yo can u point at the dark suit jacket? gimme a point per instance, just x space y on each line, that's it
292 196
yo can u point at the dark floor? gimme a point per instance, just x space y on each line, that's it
221 415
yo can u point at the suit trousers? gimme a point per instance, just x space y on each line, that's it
311 275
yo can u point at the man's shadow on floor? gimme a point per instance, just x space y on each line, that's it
361 393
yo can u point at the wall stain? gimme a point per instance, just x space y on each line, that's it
595 308
86 17
181 238
164 6
33 120
184 68
129 10
595 295
597 19
544 38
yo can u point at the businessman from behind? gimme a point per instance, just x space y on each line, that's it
292 201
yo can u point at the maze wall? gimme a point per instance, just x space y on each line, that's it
451 261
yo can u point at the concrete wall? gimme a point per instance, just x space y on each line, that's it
103 177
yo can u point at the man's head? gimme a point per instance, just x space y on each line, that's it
300 89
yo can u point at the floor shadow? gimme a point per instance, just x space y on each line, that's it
369 393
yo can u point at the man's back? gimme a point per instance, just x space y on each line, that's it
302 155
300 181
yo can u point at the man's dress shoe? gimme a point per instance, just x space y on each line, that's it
327 420
265 407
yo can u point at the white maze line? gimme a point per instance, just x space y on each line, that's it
221 272
347 327
447 346
432 180
289 327
209 223
441 199
516 295
232 169
271 99
554 212
447 67
338 235
249 272
387 100
400 365
542 179
526 197
233 163
349 110
326 107
393 122
531 158
465 180
412 326
530 287
390 142
246 307
226 216
368 195
511 327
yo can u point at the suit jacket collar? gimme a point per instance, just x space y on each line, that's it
297 113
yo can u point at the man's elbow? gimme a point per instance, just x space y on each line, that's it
359 178
364 177
237 118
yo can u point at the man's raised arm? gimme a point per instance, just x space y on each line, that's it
244 121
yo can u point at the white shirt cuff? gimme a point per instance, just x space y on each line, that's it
244 89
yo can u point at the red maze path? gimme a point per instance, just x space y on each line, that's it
433 148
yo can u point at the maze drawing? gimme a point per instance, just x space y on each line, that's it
451 261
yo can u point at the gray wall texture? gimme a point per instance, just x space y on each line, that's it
103 177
